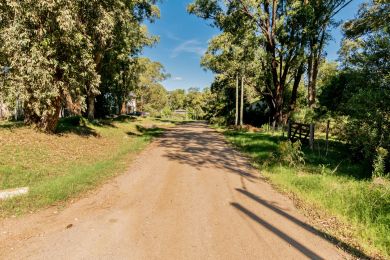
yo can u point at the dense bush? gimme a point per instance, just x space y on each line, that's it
379 162
291 153
360 90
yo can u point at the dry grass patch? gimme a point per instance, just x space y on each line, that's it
59 166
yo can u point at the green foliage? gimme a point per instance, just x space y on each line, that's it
116 32
194 103
333 184
360 91
218 121
373 16
271 44
166 112
62 54
304 115
291 153
177 99
152 96
154 99
151 73
379 163
43 49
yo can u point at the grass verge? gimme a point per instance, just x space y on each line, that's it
332 188
61 166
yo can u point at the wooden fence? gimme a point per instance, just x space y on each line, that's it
302 132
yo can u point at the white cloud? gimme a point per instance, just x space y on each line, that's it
172 36
190 46
177 78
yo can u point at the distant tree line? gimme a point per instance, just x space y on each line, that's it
192 103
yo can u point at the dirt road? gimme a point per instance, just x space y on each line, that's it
188 196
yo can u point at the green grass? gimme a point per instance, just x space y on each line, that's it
333 185
62 166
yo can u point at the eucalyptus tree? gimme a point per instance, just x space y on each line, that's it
320 15
149 91
115 31
66 52
276 29
222 58
177 99
230 57
360 90
48 58
121 70
4 20
286 31
195 103
154 99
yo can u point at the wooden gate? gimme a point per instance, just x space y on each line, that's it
302 132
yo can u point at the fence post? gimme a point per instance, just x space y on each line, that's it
327 136
269 123
311 136
289 130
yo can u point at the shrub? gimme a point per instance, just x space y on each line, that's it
291 153
220 121
379 163
166 112
305 115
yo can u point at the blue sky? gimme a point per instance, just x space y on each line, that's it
184 38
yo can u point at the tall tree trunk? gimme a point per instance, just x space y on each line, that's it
48 122
90 93
313 84
294 93
314 64
237 94
49 113
278 86
91 106
242 102
52 120
310 71
278 118
123 108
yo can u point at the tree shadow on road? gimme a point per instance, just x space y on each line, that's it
147 131
303 249
202 147
346 247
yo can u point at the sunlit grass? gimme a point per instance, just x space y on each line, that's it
333 183
60 166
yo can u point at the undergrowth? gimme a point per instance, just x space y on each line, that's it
334 183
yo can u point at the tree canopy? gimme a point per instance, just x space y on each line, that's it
69 52
361 88
272 43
